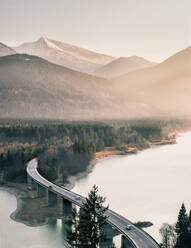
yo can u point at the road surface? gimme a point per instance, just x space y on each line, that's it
136 236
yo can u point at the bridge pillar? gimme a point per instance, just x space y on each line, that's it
125 243
66 208
34 185
29 179
41 191
52 199
107 236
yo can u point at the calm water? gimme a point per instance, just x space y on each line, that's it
148 186
17 235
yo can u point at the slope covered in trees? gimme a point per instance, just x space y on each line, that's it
62 149
65 149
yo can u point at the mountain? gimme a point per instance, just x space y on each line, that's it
166 86
60 53
5 50
122 66
31 87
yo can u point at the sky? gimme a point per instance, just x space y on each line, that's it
154 29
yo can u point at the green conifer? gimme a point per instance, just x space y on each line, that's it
73 233
92 219
182 226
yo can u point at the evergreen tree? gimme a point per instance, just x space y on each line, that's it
73 233
182 226
189 217
189 228
86 226
2 161
92 219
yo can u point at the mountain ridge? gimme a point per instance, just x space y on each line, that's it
6 50
166 85
32 87
123 65
64 54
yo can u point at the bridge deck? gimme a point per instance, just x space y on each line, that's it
138 238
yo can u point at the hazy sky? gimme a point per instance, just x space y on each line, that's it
154 29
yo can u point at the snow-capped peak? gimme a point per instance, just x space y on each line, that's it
64 54
50 44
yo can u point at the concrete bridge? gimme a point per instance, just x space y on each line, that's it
134 238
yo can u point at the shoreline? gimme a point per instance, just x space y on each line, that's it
21 201
110 153
21 194
72 179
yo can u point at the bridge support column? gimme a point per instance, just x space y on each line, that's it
34 185
52 199
107 238
125 243
66 208
41 191
29 179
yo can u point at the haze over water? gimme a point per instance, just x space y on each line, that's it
149 186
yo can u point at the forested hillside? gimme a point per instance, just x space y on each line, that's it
65 149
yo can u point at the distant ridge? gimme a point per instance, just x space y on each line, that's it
166 85
123 66
5 50
32 87
67 55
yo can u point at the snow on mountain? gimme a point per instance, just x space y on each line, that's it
84 54
52 45
5 50
67 55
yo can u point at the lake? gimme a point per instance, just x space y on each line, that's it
148 186
18 235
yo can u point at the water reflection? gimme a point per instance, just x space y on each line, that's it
52 224
58 229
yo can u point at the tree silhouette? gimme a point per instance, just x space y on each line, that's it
182 226
87 224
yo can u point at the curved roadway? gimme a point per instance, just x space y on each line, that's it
136 236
